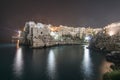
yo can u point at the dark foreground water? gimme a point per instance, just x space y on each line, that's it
68 62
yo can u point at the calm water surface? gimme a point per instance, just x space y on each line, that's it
68 62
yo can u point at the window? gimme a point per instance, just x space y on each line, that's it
41 32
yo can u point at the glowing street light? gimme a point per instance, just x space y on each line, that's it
87 38
111 33
19 33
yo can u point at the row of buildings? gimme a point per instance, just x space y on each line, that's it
40 35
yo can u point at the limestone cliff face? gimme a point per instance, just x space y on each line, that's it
40 35
35 35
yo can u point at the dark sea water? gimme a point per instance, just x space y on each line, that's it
68 62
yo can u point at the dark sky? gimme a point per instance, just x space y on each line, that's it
95 13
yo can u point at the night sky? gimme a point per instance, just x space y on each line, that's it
94 13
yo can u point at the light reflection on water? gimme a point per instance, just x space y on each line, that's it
51 64
18 63
87 64
66 63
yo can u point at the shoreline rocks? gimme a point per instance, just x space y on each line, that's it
113 57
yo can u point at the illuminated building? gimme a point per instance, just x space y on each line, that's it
40 35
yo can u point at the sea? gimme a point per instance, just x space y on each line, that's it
63 62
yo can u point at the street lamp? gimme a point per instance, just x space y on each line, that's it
19 33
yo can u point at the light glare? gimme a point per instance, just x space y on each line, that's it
111 33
